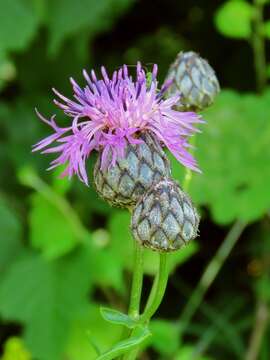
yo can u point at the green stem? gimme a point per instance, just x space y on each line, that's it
158 289
155 298
159 286
258 46
137 281
136 288
189 172
260 327
210 273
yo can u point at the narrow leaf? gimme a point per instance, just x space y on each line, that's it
131 343
117 317
93 343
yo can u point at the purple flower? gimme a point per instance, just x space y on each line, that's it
110 113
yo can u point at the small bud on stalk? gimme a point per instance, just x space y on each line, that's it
196 81
164 219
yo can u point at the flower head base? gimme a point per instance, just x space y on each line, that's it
110 113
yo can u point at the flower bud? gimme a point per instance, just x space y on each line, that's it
164 219
142 166
195 80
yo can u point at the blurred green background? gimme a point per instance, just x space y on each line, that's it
63 251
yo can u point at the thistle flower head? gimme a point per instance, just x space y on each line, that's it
109 113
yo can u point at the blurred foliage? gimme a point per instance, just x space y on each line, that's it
63 251
14 349
233 153
233 19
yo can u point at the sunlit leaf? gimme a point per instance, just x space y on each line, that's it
233 19
14 349
233 151
88 329
46 297
50 229
266 27
165 337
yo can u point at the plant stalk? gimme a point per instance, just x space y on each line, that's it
155 298
137 281
261 321
158 289
210 273
258 46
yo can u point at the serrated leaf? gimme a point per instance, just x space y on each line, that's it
16 35
233 19
140 336
233 152
117 317
46 297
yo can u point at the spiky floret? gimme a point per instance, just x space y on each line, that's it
109 114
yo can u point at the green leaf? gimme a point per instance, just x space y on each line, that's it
117 317
50 230
140 336
66 18
268 71
11 231
22 116
47 297
7 70
18 24
266 27
233 19
14 349
187 352
165 337
65 230
60 185
88 329
233 151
